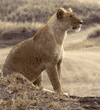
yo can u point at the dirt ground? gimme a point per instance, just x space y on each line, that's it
18 94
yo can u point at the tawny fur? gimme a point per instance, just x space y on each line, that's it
43 51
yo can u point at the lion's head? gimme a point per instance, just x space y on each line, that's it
69 18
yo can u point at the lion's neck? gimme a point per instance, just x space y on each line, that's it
57 30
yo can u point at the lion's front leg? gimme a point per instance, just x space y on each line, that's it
59 67
59 73
54 78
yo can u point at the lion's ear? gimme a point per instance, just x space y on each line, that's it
60 13
69 9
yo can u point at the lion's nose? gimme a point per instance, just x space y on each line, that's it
80 22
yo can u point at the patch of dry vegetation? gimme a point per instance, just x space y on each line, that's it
8 6
11 28
16 93
17 32
18 16
41 11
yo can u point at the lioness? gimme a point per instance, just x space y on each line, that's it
43 51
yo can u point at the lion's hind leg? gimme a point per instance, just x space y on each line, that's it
6 72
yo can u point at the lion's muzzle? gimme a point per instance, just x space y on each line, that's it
77 29
80 22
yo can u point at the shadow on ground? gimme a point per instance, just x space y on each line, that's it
89 103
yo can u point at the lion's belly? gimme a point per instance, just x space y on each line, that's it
30 71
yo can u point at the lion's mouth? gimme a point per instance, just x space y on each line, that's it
74 28
77 29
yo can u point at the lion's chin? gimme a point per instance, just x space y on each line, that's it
77 29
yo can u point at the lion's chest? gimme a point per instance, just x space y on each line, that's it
60 53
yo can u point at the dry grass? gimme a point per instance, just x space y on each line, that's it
41 11
8 26
13 33
14 12
16 93
8 6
